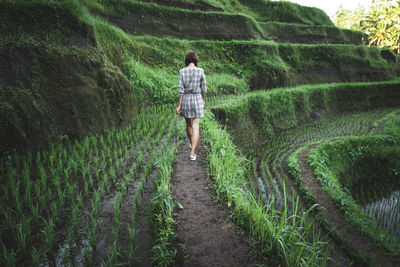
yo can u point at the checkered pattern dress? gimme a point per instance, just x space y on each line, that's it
192 83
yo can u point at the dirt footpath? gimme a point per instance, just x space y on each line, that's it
205 236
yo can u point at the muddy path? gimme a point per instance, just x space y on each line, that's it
205 236
351 236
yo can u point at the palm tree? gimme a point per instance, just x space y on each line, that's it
382 24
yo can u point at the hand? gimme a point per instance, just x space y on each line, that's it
178 110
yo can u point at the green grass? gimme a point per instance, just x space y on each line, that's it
42 189
267 65
51 197
119 72
273 156
269 11
266 113
340 165
63 71
311 34
280 233
269 126
162 204
284 11
392 127
236 67
24 21
137 18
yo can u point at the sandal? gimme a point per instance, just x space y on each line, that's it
193 157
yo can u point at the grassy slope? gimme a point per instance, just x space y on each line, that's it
261 115
311 34
61 77
349 162
279 233
73 77
261 10
100 57
266 113
237 66
141 18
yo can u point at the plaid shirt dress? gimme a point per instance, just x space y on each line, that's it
192 83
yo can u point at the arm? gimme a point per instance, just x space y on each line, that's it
203 86
181 90
177 110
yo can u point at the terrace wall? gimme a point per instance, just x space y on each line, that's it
269 112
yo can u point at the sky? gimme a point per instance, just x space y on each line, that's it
331 6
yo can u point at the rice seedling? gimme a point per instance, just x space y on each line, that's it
48 234
35 257
9 256
266 172
386 213
54 209
34 208
341 165
74 218
22 235
88 256
131 253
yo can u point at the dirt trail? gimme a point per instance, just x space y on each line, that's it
352 236
205 236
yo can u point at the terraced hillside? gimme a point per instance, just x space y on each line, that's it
276 130
302 128
80 49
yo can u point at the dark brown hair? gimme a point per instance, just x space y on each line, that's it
191 57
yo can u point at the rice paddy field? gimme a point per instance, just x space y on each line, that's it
273 177
301 133
270 158
51 199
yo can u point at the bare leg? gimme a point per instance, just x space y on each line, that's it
195 135
189 129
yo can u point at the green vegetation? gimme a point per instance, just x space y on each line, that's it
162 204
392 127
270 126
237 66
283 233
261 10
379 21
267 113
139 19
349 169
61 77
83 120
310 34
53 196
111 73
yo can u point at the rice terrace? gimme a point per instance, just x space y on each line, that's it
299 156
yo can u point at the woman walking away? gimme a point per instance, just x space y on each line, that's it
192 91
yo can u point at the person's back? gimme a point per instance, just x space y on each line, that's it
192 90
192 79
